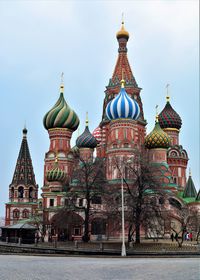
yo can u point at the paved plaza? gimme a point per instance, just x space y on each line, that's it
84 268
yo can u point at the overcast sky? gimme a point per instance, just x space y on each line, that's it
41 39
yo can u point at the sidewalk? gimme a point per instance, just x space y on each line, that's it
103 248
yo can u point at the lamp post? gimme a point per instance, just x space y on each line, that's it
123 252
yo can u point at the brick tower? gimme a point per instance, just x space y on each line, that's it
61 121
23 191
177 157
122 71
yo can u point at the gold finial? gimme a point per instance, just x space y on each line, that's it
122 80
86 120
156 113
24 130
190 173
62 83
122 32
167 96
122 18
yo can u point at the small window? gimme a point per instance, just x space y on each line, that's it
16 213
30 192
77 231
96 200
80 202
126 145
25 213
51 202
20 192
114 146
161 200
40 205
175 180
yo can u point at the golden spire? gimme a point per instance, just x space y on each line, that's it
122 80
156 113
167 96
62 83
86 120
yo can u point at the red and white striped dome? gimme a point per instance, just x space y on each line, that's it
97 134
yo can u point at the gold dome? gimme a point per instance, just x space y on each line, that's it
122 33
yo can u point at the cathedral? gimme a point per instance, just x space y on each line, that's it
120 132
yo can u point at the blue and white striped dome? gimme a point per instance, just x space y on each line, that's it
122 106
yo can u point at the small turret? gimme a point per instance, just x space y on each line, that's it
190 190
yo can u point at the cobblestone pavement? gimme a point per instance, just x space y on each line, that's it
14 267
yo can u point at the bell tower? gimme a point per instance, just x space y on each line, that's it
23 190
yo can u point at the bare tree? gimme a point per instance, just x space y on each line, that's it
143 194
89 179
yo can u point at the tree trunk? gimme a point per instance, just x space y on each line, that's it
137 232
86 236
138 219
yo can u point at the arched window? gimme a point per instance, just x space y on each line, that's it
30 192
25 213
20 192
161 200
98 226
16 213
40 205
175 203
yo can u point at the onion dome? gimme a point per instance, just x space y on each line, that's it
122 106
61 115
97 134
168 118
86 139
56 174
157 138
122 33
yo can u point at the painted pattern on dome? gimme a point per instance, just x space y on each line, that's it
168 118
86 140
61 116
56 174
157 138
122 106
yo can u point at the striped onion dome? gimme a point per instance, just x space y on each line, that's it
61 115
168 118
97 134
55 174
122 106
157 138
86 139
